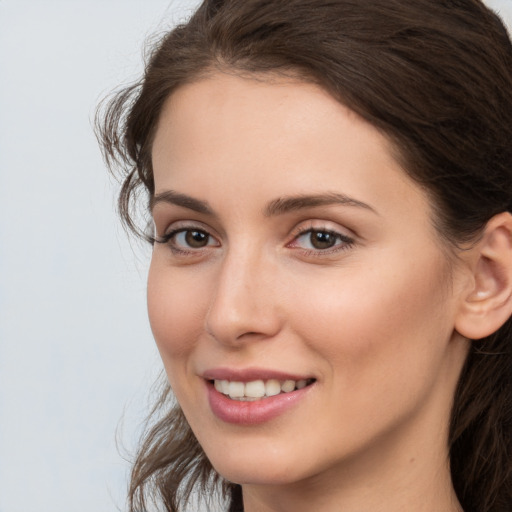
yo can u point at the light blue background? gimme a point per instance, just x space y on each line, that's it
76 352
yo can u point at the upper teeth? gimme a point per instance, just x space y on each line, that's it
257 388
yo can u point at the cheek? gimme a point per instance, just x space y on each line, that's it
377 322
176 306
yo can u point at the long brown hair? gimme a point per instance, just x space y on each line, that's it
436 77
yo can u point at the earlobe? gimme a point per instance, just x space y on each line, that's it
488 305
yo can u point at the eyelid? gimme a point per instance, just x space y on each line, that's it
344 237
347 240
321 225
183 225
178 227
168 236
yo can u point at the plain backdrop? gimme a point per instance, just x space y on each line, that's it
76 352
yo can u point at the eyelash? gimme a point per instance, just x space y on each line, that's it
168 239
347 242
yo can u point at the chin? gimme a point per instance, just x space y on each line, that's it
259 466
270 474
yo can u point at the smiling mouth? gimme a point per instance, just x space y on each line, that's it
258 389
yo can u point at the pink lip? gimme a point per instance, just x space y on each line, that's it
255 412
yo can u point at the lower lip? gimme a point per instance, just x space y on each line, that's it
255 412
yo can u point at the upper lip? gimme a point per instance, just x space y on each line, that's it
250 374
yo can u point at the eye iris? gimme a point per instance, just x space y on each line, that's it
196 239
322 239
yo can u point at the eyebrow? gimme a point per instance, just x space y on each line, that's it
278 206
284 205
183 200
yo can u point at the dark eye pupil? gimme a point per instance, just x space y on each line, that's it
196 239
322 239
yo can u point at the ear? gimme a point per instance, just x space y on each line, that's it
488 303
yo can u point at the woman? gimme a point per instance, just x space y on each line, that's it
331 280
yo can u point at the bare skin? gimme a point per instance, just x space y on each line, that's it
351 287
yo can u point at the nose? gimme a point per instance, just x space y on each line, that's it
244 305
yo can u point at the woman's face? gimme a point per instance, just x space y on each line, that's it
297 258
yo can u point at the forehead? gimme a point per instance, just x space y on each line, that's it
221 103
252 137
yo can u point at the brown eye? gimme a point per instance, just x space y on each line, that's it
188 239
322 239
196 239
